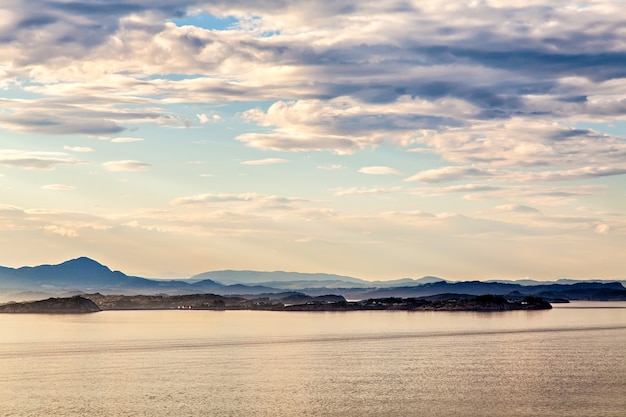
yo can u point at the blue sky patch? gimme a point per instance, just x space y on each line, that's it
206 21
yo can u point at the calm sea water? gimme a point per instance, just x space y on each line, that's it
569 361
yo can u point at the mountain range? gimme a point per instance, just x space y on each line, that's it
85 275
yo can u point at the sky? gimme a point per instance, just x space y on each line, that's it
378 139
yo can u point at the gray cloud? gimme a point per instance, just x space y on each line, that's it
60 126
35 160
80 115
527 70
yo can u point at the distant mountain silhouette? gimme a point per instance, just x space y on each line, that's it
84 275
227 277
408 282
76 273
577 291
300 280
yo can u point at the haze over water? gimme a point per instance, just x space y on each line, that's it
566 361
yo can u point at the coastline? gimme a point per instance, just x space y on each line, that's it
90 303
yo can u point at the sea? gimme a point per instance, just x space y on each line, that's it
568 361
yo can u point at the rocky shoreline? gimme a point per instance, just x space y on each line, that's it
66 305
91 303
482 303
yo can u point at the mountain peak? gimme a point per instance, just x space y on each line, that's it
83 260
84 264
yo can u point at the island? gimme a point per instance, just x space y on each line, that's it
89 303
61 305
449 302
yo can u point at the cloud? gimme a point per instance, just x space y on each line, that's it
463 188
68 109
602 229
267 161
367 191
78 148
61 230
332 167
35 160
413 214
379 170
534 195
126 140
521 143
572 174
31 121
516 208
345 124
450 173
126 166
299 142
408 76
456 173
58 187
504 101
245 201
209 118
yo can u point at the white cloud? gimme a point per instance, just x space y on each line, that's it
267 161
58 187
296 142
367 191
450 173
126 140
413 214
524 143
602 229
61 230
209 118
78 148
237 202
332 167
516 208
379 170
346 124
126 165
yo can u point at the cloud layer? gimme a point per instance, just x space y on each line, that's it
477 122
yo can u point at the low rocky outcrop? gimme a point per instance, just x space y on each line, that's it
68 305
